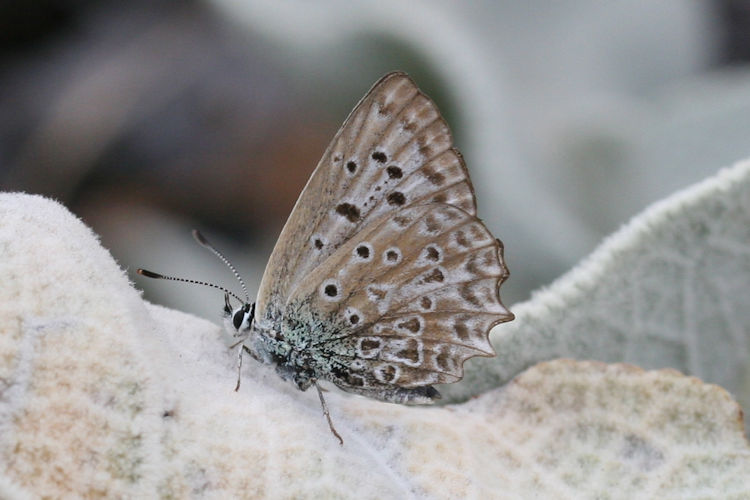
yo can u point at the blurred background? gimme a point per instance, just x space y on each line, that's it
149 118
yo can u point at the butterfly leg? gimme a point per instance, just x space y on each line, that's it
326 412
239 366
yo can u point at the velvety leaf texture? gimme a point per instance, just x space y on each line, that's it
669 289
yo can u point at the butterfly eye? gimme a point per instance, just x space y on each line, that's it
238 318
243 317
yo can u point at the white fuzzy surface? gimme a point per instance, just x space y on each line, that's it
668 290
102 394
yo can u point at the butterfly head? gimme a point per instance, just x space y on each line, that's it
238 320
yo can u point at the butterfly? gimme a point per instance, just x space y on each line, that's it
383 281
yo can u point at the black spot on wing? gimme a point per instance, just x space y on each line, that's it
351 212
432 253
433 176
394 172
434 276
396 198
379 157
369 344
412 325
363 251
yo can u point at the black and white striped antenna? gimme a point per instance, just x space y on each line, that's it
204 243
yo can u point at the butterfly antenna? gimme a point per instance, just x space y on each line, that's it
202 241
151 274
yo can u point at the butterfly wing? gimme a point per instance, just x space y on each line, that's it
384 244
394 131
415 294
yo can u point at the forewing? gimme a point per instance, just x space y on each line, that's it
393 151
416 292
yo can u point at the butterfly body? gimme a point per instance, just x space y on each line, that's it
306 347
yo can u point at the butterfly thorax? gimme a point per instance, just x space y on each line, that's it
302 345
